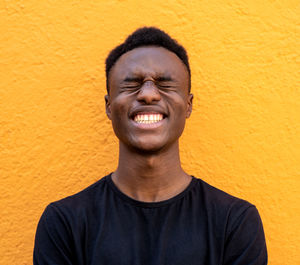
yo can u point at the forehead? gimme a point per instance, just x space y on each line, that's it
149 61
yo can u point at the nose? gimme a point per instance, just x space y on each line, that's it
148 93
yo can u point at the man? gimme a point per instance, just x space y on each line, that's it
149 211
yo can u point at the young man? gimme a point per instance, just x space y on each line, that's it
149 211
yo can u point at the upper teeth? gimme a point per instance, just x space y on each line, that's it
148 118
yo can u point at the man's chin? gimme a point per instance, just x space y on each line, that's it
147 147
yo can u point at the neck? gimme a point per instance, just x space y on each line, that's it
150 177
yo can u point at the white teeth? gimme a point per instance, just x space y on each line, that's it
148 118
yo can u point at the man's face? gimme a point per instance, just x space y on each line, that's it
148 99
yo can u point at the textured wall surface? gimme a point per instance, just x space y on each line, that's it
243 135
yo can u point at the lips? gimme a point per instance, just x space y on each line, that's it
147 115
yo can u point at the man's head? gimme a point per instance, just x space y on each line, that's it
147 36
149 97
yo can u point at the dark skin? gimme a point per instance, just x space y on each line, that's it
149 81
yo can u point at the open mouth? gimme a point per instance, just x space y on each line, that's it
148 118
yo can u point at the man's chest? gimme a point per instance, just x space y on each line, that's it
151 239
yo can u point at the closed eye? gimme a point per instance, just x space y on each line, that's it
165 82
131 83
166 85
130 87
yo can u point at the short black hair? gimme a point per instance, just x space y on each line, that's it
147 36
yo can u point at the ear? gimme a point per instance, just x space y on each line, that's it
189 105
107 106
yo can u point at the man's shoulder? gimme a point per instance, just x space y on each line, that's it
221 201
86 199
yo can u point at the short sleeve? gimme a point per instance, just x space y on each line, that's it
53 240
245 242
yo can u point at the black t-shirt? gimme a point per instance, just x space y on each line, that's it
200 226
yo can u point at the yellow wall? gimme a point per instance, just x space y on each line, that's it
243 136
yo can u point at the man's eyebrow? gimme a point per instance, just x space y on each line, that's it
164 78
161 78
132 79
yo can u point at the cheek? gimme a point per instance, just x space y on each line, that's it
119 111
179 106
118 105
179 112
